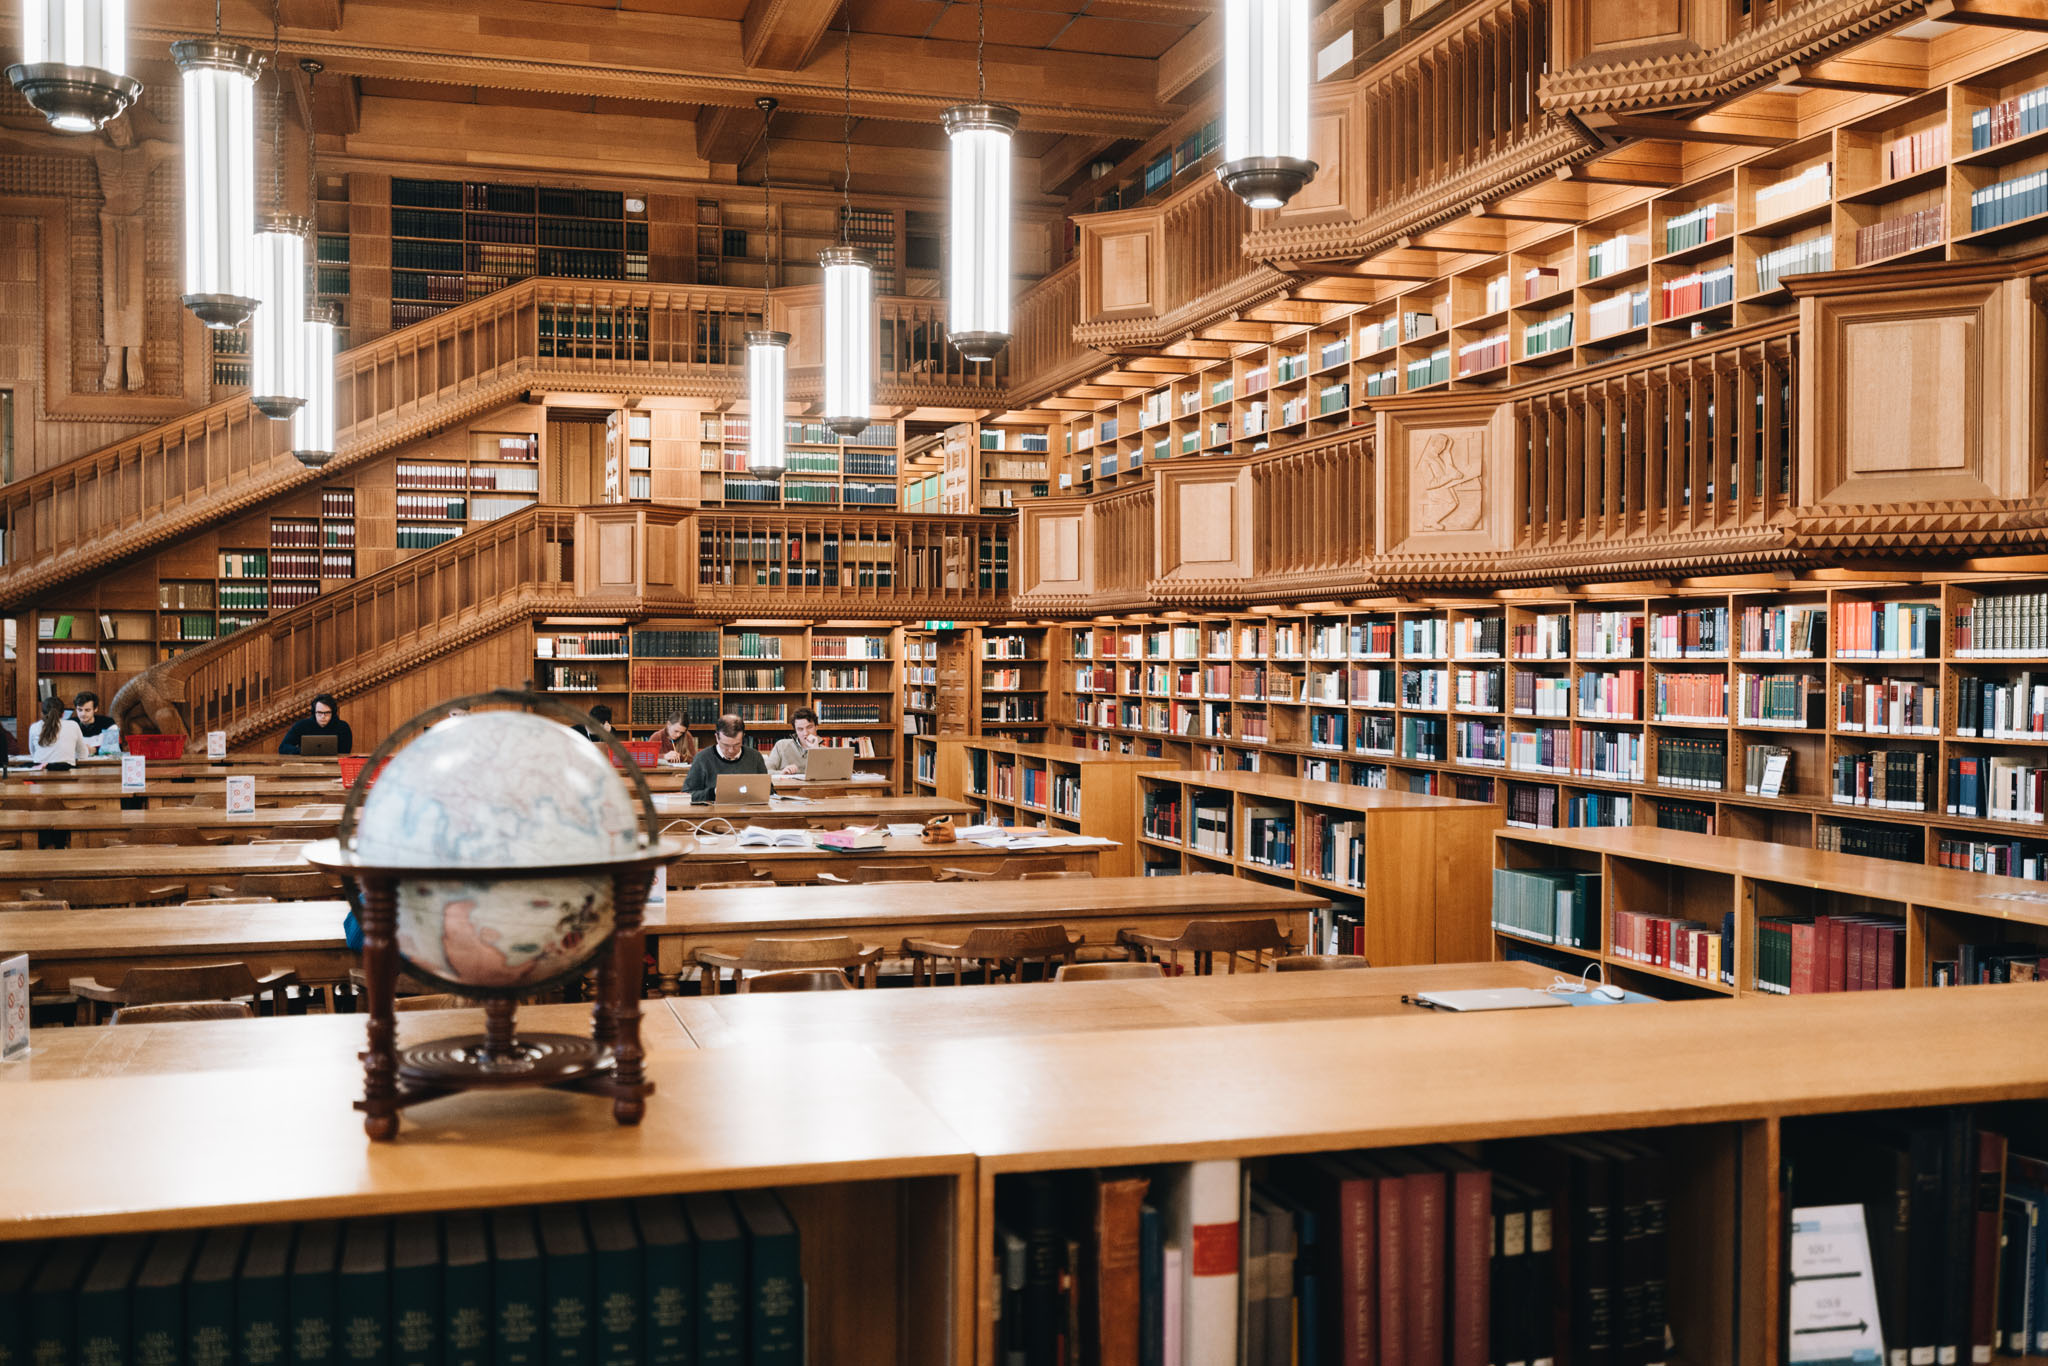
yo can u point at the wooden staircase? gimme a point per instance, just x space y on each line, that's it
99 510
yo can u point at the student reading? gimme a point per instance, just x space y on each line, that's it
791 753
730 755
324 719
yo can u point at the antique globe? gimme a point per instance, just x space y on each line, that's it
500 793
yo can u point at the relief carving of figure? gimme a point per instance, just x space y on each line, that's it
125 162
1449 479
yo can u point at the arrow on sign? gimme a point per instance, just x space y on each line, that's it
1856 1327
1829 1276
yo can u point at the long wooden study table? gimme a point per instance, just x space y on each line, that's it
104 943
304 822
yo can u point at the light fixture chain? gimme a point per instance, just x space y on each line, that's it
767 206
277 119
846 181
980 48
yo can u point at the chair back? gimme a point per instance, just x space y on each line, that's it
1321 962
442 1000
730 886
287 886
871 873
230 900
1055 873
691 873
174 1012
999 949
110 891
201 982
34 906
834 952
1239 941
796 979
1011 869
1108 972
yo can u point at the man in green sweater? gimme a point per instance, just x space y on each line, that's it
730 755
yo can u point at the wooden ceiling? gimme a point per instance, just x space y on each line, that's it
670 85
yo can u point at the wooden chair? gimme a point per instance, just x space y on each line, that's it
203 982
229 901
1050 873
689 874
767 955
868 874
1009 870
1204 939
34 906
1321 962
729 886
796 979
184 838
283 886
1003 949
440 1000
173 1012
1108 972
107 891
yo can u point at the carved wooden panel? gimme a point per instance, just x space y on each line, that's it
1205 522
1125 280
1057 550
1919 395
1606 30
1445 478
1328 141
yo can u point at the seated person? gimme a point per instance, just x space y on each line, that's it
673 743
730 755
102 736
600 722
54 741
325 719
791 752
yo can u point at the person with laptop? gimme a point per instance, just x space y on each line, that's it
322 725
729 757
792 752
102 736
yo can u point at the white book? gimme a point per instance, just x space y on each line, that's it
1201 1206
1173 1304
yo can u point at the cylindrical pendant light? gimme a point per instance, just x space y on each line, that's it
219 82
849 338
276 352
978 271
74 62
313 423
849 300
1265 100
767 349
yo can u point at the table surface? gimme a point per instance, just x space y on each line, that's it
213 788
322 818
893 847
268 927
152 860
771 909
947 1012
867 809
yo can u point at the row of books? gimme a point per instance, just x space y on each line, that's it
79 659
853 713
759 711
1480 689
1796 258
430 507
294 531
1675 944
1685 816
1269 836
1812 186
655 708
1695 290
1488 353
1689 633
1691 697
659 1281
1804 954
1550 334
1333 848
1481 742
1547 749
1988 965
1707 223
1787 700
1605 258
299 564
1532 808
2004 858
244 564
1434 368
1536 695
1887 630
1902 233
1997 625
1900 843
581 644
2013 117
1618 313
1766 770
2002 709
561 678
841 679
293 593
741 678
1894 779
1989 787
1609 635
1558 906
693 678
1691 763
2009 201
675 644
1891 706
245 597
1910 153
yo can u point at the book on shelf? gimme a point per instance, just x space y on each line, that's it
1558 906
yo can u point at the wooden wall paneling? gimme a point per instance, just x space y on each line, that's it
369 247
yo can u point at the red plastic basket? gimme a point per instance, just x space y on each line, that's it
155 746
646 753
352 765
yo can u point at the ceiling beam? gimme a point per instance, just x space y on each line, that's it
1338 290
1190 59
2027 16
1239 332
782 35
726 133
1288 313
337 105
320 14
1067 158
1546 201
1883 66
1726 129
1194 348
1645 165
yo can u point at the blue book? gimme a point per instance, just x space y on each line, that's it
415 1334
466 1292
1151 1289
18 1264
518 1290
775 1280
156 1306
721 1308
362 1295
314 1261
618 1277
566 1250
669 1292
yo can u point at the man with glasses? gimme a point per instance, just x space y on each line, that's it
324 720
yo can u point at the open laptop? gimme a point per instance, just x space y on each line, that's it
742 787
828 764
323 746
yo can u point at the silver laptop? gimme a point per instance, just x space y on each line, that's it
742 787
1499 998
828 764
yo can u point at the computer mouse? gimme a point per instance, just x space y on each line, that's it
1609 991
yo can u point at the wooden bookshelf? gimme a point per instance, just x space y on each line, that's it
1717 881
822 468
1405 872
1562 725
439 499
1060 789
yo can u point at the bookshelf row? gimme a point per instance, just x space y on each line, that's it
1904 720
1955 173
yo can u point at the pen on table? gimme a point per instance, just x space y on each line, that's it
1418 1001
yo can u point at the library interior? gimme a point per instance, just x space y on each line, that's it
1318 548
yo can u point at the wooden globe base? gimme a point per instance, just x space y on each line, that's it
609 1063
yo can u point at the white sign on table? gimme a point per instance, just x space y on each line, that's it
216 744
13 1007
134 773
241 795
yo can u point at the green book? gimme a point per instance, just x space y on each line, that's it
210 1299
466 1292
156 1307
362 1295
18 1264
619 1337
104 1323
63 631
669 1262
775 1280
53 1302
570 1280
416 1291
518 1289
311 1305
721 1311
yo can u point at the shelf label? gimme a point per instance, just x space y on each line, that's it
1833 1303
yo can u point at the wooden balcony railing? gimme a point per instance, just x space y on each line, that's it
177 478
1125 534
796 563
1044 357
1312 515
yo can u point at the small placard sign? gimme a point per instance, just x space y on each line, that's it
242 795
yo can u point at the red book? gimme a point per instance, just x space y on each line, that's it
1852 958
1471 1237
1891 947
1867 930
1424 1227
1990 1203
1804 957
1393 1256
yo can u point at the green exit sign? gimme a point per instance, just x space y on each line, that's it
938 626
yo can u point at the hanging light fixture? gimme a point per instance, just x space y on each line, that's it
1265 100
219 82
767 350
73 63
849 301
313 423
276 351
978 276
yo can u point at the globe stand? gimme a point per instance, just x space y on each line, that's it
609 1063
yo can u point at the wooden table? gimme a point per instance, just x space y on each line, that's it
907 851
821 812
310 822
891 1017
1095 907
104 944
197 865
273 765
293 1041
106 794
